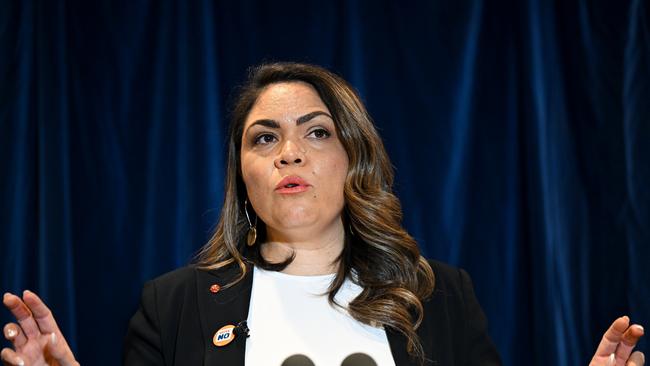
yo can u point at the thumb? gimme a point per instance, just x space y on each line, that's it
636 359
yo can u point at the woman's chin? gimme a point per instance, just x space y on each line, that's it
297 223
299 220
293 216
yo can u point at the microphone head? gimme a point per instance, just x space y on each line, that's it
358 359
298 360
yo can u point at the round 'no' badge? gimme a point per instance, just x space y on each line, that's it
224 335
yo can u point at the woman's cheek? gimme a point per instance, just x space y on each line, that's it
254 180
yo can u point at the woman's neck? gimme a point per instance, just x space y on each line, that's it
317 255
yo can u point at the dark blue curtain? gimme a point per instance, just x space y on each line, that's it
520 132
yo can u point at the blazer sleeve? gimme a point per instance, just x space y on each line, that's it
481 350
142 344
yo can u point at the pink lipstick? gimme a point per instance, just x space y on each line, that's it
292 184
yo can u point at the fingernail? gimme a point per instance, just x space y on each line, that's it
53 338
640 327
11 332
20 361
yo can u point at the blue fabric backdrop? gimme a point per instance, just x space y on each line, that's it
519 131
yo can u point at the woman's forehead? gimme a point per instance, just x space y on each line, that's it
286 101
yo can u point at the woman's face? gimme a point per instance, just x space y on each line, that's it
293 163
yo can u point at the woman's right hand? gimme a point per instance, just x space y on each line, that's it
36 338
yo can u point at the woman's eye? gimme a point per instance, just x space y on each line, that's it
320 133
264 139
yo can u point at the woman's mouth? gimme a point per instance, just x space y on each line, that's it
292 184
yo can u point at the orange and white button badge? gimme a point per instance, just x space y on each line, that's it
224 335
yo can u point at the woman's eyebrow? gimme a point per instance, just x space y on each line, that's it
302 119
266 123
307 117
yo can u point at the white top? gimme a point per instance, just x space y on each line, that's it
288 315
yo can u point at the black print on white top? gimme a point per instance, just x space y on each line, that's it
355 359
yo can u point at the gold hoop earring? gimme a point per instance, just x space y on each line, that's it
252 229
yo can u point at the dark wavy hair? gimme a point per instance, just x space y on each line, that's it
378 254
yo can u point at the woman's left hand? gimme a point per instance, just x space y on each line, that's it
615 349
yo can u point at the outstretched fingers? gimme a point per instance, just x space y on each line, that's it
37 325
612 337
10 357
617 344
55 342
41 313
22 314
629 340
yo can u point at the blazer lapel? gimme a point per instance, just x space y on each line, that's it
398 347
427 338
224 307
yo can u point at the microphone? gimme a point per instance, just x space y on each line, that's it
298 360
358 359
242 329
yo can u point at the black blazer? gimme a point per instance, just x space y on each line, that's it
179 315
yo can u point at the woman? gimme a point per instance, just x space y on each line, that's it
309 256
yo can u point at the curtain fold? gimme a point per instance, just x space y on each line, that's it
636 132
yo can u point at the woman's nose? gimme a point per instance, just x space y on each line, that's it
291 154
